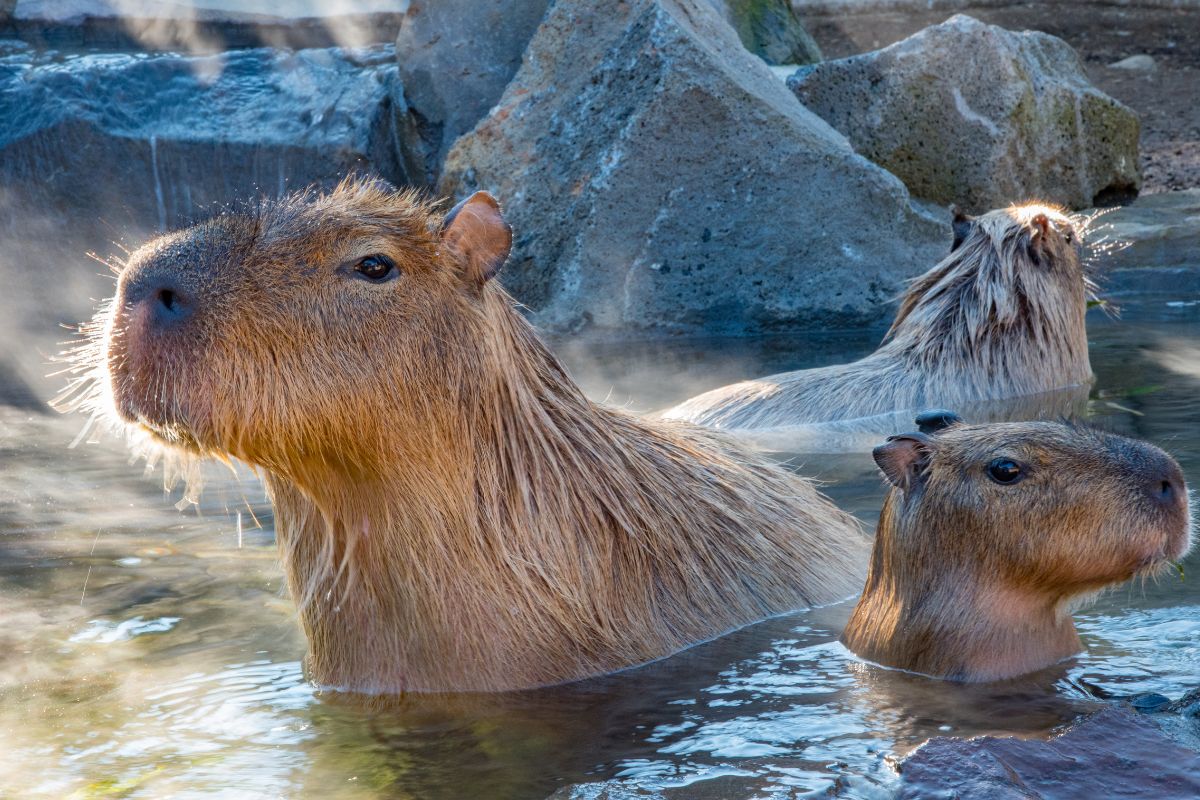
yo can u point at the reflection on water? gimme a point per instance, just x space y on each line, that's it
146 654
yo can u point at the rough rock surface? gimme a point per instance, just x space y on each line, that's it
456 57
771 30
1156 230
1113 753
159 138
659 177
973 114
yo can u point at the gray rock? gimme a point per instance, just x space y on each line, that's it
1113 753
660 177
456 57
159 138
1156 231
771 30
1138 63
973 114
205 26
96 149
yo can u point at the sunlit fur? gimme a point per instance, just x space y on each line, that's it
973 580
1000 317
451 511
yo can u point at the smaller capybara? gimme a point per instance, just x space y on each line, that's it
1001 317
452 513
991 534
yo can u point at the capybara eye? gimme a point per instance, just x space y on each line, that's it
1004 470
375 267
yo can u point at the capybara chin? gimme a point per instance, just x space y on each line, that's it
992 533
452 513
1001 317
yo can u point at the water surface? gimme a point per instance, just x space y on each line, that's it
149 652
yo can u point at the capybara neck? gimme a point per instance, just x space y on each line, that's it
1002 316
452 513
955 624
992 533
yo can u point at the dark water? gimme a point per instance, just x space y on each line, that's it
148 652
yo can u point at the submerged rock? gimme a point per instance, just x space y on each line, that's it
976 115
1113 753
660 177
456 57
1149 245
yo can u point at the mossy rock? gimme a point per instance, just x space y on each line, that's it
771 30
981 117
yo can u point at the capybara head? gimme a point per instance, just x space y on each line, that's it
296 330
990 529
1017 266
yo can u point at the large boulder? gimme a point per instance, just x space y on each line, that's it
456 57
159 138
660 177
104 148
976 115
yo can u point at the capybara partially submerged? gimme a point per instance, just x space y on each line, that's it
991 533
1002 316
452 513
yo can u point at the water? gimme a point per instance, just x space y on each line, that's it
145 654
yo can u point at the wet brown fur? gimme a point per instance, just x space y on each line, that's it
1002 316
973 580
452 513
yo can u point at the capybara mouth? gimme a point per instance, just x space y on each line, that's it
149 383
1166 545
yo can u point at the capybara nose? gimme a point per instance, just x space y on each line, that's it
164 302
1166 487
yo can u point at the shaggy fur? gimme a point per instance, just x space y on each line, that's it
1002 316
452 513
975 580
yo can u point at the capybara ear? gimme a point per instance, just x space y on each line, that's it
936 419
476 237
904 459
1040 227
962 227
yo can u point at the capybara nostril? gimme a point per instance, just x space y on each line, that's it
1166 487
170 306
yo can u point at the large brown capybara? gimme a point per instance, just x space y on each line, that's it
991 534
1001 317
452 513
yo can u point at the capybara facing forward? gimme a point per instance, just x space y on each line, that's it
992 533
1001 317
452 513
